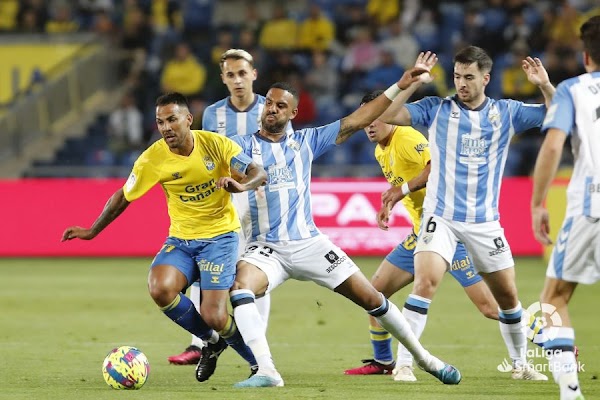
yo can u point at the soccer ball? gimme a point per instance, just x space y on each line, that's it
125 367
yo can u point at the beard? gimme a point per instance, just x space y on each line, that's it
274 127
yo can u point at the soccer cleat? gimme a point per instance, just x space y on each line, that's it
371 367
190 356
256 381
253 370
448 375
404 373
527 373
208 362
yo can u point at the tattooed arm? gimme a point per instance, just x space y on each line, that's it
113 208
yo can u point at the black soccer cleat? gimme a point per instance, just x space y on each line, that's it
208 363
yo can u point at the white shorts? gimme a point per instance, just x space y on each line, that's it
576 253
316 259
485 242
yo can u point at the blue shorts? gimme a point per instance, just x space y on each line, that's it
462 270
210 260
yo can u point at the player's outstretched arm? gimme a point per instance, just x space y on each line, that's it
537 74
113 208
255 177
393 195
396 113
369 112
546 166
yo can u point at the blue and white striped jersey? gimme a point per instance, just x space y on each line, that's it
222 117
575 110
468 152
281 210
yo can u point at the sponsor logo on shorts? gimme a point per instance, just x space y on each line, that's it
500 247
334 260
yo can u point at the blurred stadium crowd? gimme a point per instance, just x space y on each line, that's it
334 51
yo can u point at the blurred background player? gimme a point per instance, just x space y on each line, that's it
574 113
469 135
403 154
237 114
192 167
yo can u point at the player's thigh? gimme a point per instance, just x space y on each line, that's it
462 268
268 259
216 261
576 254
436 236
397 269
174 253
486 244
319 260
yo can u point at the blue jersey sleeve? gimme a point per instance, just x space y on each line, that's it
561 114
526 116
322 138
240 162
422 112
209 120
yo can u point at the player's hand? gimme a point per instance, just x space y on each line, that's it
540 220
535 71
391 196
77 232
383 217
426 61
411 76
230 185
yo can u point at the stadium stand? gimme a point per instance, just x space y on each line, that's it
145 34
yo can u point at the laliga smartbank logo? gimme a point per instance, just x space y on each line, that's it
536 322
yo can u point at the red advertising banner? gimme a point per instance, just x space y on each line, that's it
35 212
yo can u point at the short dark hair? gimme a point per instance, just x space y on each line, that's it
590 36
370 96
474 54
286 86
172 98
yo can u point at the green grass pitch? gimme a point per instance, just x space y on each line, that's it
59 318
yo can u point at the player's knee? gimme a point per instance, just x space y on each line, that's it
425 287
162 294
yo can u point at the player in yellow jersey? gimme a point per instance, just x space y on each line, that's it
194 169
403 154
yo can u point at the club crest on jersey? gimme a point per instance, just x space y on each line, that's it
494 117
210 164
292 144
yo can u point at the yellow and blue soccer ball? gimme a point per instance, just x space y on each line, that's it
125 367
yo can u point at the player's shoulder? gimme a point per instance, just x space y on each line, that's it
209 136
584 79
156 153
217 104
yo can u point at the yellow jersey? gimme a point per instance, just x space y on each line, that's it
404 157
196 208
